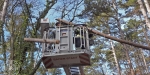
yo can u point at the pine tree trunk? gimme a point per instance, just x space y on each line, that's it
122 37
143 10
114 53
128 59
147 6
125 49
148 42
138 62
146 67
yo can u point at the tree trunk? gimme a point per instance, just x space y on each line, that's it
144 13
125 49
145 64
2 42
128 59
114 53
138 62
122 36
11 52
147 6
148 42
3 13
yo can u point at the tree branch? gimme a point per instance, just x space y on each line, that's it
36 67
44 13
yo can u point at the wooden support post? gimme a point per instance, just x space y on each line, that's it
41 40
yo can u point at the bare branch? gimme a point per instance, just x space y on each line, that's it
43 14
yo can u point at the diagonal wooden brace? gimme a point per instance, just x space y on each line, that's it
41 40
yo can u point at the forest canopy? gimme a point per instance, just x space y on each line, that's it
123 19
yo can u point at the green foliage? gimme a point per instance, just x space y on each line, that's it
107 19
133 29
109 55
96 7
130 2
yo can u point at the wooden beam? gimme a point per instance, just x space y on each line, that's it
41 40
